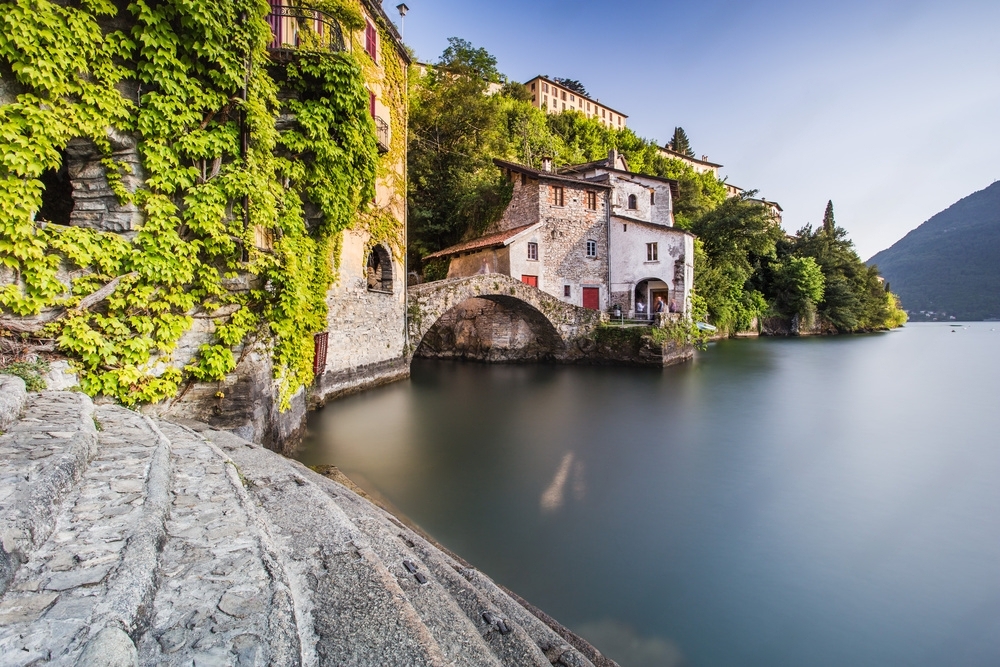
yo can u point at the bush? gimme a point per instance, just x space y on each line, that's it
32 372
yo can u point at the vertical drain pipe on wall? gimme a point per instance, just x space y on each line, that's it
607 221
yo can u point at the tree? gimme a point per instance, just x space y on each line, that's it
680 143
573 85
463 59
828 222
798 286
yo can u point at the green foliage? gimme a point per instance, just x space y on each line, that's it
798 285
192 59
680 143
32 372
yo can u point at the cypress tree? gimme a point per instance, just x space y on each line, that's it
680 143
828 222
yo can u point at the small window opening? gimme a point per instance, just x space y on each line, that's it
379 270
57 196
652 197
566 290
624 226
524 179
652 252
633 202
532 251
591 248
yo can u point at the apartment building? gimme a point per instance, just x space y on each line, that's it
552 97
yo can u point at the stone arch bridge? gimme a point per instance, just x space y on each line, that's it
564 329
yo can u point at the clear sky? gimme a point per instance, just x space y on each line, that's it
889 108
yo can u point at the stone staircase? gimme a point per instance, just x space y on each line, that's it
132 541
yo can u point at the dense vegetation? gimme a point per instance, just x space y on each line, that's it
950 265
745 266
203 68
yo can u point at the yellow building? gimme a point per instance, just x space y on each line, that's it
555 98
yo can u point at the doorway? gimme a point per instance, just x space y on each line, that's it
592 298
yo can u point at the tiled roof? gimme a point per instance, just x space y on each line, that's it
488 241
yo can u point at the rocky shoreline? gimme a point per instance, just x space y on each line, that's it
128 540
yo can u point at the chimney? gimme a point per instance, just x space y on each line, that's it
547 164
613 158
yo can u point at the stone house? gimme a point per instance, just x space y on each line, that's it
593 235
365 343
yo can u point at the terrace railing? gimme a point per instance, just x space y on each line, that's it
299 27
382 134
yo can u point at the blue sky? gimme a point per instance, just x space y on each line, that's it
891 109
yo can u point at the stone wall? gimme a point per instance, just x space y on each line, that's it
95 205
524 204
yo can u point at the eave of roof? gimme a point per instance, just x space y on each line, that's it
545 175
495 240
682 156
666 228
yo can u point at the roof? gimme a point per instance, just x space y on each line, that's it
648 223
603 164
769 203
690 158
489 241
583 97
546 175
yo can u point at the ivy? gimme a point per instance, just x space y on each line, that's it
191 60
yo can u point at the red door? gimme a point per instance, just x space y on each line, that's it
592 298
530 280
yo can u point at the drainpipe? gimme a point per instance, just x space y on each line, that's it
607 224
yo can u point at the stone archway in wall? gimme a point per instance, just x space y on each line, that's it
646 292
495 328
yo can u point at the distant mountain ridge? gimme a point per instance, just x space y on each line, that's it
950 265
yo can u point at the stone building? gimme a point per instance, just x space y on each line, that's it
700 166
552 236
365 343
594 235
555 98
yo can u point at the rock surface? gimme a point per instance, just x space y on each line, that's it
133 541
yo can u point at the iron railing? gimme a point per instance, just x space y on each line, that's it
382 134
298 27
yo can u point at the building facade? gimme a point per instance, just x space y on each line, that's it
552 97
593 235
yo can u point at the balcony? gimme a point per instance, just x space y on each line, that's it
301 28
382 134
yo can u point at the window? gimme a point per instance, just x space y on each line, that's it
371 103
558 196
379 270
545 99
564 95
530 280
371 40
572 98
602 113
545 87
566 291
652 197
591 200
524 179
652 253
533 251
532 87
624 226
564 106
633 203
591 248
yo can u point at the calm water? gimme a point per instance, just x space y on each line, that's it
776 502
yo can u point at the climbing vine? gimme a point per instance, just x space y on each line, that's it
198 68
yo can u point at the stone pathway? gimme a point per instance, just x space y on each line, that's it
128 541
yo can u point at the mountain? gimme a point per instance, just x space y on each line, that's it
949 267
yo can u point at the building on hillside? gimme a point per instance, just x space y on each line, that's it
700 166
552 97
593 235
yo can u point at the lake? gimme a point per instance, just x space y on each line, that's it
815 501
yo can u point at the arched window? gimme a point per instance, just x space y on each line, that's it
633 203
379 270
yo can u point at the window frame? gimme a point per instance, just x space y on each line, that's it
591 248
532 251
633 203
558 195
371 40
590 199
652 252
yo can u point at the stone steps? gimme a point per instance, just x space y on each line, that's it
135 541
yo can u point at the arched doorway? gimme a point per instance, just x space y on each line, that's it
650 293
379 270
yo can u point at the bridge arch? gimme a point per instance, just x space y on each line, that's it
560 325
